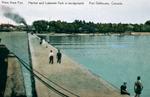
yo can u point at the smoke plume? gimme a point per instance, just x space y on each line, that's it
8 13
15 17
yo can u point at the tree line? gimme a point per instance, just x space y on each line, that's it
79 26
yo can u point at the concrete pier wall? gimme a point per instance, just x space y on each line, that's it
3 68
15 82
17 42
69 75
11 78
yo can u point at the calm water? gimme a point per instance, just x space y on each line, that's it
17 43
114 58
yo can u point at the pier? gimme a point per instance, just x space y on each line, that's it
70 75
68 79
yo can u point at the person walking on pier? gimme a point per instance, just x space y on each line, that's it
123 89
41 41
59 55
51 57
138 87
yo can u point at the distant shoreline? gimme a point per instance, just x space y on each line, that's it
89 34
102 34
140 33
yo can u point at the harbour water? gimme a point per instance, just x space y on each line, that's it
116 59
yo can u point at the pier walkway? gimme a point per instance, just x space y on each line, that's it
69 75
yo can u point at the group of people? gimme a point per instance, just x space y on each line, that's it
138 87
51 53
51 57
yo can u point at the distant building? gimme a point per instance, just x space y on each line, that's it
7 27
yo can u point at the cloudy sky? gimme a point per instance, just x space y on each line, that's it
128 11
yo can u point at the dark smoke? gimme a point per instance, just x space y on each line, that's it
15 17
8 13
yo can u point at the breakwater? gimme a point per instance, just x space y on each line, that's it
69 75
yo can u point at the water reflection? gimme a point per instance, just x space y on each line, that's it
116 59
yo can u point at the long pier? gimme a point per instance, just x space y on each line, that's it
69 77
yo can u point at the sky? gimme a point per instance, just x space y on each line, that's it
97 11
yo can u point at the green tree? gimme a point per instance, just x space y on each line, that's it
147 22
41 26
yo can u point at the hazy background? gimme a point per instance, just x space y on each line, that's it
132 11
